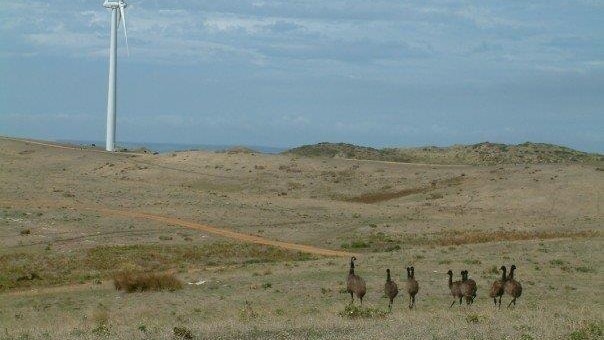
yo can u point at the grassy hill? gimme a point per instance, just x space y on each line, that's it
477 154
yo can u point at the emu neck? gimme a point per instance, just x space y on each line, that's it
450 280
503 274
511 276
351 271
388 277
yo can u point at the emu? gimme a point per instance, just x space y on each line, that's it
412 286
390 289
512 287
455 288
468 287
355 285
497 287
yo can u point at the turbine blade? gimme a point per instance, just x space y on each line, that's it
123 19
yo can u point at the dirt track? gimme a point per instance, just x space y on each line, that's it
171 221
200 227
184 223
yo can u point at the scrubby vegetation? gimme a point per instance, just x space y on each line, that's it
41 267
141 282
477 154
353 311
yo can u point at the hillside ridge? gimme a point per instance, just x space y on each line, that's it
484 153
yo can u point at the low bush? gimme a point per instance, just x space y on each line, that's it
182 333
352 311
140 282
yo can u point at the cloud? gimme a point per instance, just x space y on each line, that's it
275 33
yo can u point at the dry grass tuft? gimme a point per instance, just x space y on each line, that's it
353 312
140 282
473 237
182 333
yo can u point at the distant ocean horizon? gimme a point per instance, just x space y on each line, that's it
172 147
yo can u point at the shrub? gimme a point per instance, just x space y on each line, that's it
359 244
493 270
247 312
585 270
473 318
393 248
592 330
182 333
352 311
140 282
556 262
100 316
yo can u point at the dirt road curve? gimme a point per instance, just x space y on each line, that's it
183 223
171 221
224 232
195 226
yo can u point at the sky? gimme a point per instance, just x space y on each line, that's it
285 73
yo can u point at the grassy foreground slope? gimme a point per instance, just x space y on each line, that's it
545 218
477 154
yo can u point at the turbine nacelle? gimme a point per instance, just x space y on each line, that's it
115 4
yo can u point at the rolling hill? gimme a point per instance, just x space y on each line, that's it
485 153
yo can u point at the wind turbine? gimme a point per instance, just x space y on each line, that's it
117 14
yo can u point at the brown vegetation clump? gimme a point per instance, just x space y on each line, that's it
182 333
140 282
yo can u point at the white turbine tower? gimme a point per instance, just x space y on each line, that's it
117 14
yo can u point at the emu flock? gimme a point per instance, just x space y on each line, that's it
460 290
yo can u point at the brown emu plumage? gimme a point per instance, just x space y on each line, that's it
497 288
455 288
355 285
390 289
512 287
468 287
412 286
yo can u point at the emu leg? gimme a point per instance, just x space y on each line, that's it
452 303
351 298
513 301
413 301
